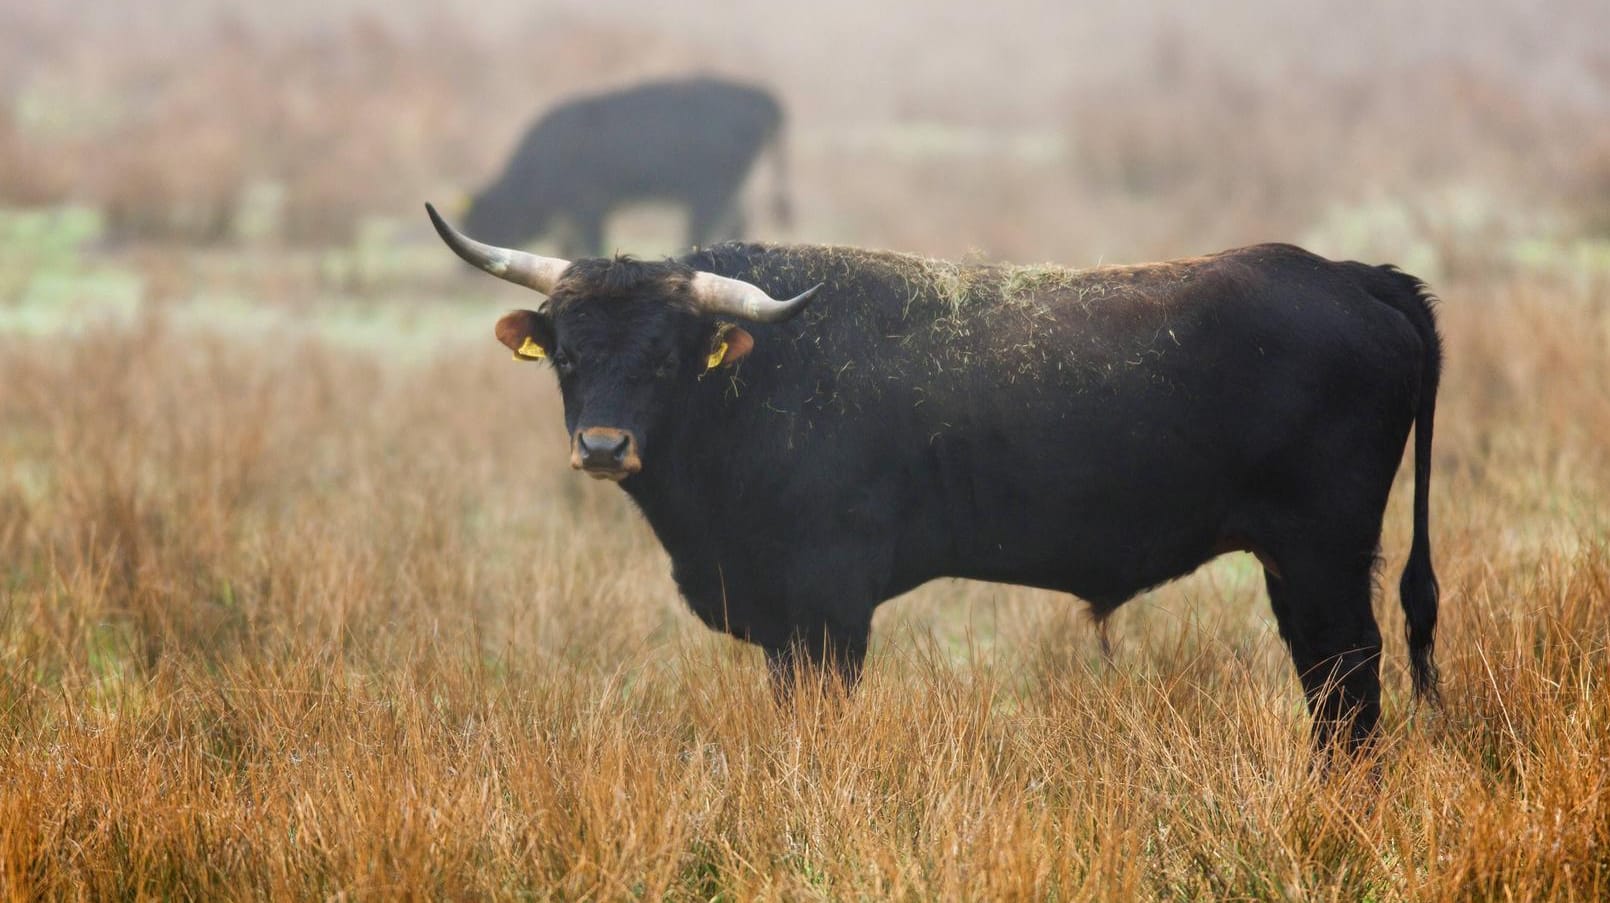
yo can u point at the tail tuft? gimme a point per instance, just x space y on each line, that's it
1418 590
1420 594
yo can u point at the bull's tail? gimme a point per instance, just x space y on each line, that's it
1418 590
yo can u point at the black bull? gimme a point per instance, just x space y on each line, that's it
1096 432
691 143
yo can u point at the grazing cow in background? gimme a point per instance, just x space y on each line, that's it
689 142
1098 432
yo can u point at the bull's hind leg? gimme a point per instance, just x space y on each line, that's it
1322 604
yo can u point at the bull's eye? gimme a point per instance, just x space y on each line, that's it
667 367
564 363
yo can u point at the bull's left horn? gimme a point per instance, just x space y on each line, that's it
736 298
530 270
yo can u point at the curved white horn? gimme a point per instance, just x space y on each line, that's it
530 270
734 297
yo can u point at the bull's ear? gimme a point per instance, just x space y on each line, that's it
528 333
728 346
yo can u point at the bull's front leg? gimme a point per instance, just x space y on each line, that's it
825 598
825 658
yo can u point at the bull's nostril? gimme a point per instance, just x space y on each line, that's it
602 449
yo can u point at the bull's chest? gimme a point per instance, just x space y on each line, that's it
725 593
717 573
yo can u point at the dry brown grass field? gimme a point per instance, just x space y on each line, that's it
300 600
288 617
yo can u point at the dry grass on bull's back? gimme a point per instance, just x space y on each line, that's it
287 620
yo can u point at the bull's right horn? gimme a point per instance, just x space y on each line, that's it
736 298
530 270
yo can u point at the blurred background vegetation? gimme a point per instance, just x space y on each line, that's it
1449 137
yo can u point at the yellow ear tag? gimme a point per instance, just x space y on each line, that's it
711 362
530 351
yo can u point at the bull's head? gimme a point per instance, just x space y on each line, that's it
624 336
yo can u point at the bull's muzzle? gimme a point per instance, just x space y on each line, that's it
605 453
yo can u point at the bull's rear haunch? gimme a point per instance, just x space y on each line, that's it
1097 431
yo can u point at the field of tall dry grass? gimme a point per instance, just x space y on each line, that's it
291 615
299 598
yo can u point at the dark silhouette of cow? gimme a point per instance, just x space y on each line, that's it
1093 431
691 143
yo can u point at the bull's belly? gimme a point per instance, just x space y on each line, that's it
1102 543
1106 580
1102 553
